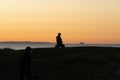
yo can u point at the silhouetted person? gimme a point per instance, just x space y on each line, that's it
59 41
25 65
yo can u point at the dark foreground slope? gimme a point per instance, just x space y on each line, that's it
82 63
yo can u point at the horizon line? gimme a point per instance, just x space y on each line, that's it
50 42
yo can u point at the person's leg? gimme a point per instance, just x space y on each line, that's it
58 46
29 74
35 77
63 45
21 74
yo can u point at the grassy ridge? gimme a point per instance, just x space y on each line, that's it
80 63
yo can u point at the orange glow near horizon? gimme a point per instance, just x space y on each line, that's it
96 21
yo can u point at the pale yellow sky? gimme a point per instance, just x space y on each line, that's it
91 21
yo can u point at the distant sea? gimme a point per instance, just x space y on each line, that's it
22 45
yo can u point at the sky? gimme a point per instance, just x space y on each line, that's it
89 21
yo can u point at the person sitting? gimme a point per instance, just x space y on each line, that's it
59 41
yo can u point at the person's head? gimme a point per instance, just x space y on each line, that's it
28 49
59 34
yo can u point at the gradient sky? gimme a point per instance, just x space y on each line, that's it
91 21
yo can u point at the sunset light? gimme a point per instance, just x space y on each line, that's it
90 21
